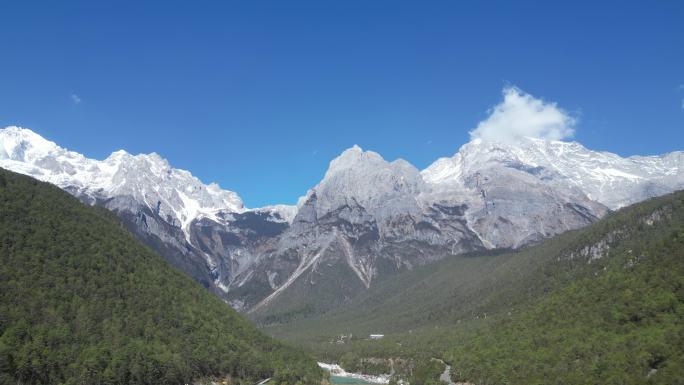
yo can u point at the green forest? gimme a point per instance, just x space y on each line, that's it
83 302
618 323
600 305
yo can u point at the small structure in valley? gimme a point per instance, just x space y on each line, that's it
376 336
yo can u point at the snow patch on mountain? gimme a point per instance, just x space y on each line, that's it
176 195
374 215
279 213
604 177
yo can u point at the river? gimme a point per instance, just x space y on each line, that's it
347 380
340 376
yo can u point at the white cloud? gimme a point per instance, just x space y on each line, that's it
76 99
522 115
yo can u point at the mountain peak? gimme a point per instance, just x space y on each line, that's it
603 176
355 152
353 159
355 148
18 131
22 144
365 178
147 178
119 154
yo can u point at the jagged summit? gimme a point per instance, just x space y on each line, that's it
21 144
603 176
358 177
359 173
366 218
353 157
147 179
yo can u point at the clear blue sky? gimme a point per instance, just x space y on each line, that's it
259 96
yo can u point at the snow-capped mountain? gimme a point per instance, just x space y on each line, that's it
366 218
363 220
604 177
174 194
159 203
369 217
529 189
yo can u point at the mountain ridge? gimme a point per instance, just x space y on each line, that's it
84 302
601 304
367 216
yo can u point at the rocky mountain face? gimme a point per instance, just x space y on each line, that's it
535 188
161 205
365 219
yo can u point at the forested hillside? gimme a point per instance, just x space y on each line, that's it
618 322
604 304
83 302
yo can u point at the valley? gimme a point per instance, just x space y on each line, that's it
312 192
365 221
83 302
500 251
581 306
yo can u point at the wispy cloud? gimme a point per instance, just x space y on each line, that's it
522 115
76 99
